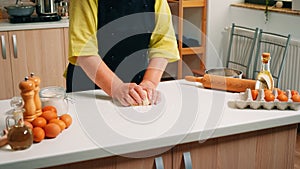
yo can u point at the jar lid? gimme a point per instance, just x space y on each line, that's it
52 92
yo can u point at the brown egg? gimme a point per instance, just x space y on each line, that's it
52 130
39 122
282 97
67 119
269 97
38 134
61 124
296 98
49 115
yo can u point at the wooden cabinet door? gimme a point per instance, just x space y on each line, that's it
202 155
6 84
142 161
40 52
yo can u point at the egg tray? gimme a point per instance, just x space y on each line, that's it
245 101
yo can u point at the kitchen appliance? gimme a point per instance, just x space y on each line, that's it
46 11
31 19
46 7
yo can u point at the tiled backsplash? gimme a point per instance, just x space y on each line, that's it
3 3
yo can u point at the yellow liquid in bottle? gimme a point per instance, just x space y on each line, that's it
20 137
264 81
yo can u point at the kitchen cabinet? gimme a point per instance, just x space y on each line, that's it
6 83
269 148
190 26
40 51
128 161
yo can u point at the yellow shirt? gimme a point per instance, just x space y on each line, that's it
83 29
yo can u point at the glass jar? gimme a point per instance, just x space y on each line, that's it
55 96
63 9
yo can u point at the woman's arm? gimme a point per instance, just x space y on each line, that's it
152 78
103 77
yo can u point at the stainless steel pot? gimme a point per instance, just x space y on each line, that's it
227 72
20 10
46 7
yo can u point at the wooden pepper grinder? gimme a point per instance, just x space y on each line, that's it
27 92
38 105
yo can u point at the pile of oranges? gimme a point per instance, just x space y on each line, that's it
48 124
282 96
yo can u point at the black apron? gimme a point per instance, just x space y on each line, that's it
124 31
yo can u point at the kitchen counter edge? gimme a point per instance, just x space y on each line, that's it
5 25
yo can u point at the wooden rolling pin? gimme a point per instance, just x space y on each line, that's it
223 83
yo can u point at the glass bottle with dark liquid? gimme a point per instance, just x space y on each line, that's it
264 77
19 135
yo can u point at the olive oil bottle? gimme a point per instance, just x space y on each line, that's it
19 135
264 79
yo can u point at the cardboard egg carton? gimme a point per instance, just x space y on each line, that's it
244 100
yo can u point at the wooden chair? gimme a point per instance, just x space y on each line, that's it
277 46
241 48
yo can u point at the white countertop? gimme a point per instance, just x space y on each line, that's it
5 25
101 128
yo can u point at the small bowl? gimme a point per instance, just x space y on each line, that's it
227 72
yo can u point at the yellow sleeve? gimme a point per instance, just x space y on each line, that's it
83 29
163 42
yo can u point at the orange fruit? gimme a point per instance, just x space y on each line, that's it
61 124
269 97
296 98
48 115
294 92
282 97
46 108
52 130
67 119
39 122
254 94
38 134
28 124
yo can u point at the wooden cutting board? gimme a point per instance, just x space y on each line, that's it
223 83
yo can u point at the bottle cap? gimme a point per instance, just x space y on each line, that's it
266 57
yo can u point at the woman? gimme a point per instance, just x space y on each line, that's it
134 39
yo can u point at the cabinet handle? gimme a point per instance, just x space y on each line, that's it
14 37
187 160
159 163
3 46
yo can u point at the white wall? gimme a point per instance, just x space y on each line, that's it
221 15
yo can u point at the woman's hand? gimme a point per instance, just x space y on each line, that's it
152 93
128 94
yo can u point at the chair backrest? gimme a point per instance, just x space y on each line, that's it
241 48
277 46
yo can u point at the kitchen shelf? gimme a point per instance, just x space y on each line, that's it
263 8
199 51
